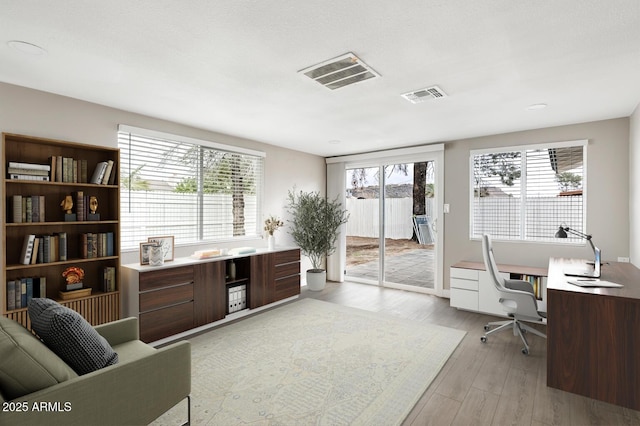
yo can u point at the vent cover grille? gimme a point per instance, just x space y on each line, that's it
339 72
422 95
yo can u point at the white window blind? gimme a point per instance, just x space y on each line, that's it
527 193
194 190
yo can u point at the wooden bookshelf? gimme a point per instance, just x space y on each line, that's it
101 306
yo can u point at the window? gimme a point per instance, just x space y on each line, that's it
527 193
191 189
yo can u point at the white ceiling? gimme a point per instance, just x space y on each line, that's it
231 66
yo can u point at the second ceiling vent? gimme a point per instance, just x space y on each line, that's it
340 72
422 95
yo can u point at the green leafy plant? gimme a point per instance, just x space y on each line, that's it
314 224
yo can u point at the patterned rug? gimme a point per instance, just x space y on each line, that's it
313 363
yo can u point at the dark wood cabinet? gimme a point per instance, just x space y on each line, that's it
185 294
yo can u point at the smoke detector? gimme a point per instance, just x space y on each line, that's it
339 72
422 95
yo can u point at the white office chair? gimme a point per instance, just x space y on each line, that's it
517 298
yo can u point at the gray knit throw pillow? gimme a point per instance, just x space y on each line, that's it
70 336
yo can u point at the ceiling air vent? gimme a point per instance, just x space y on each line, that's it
418 96
340 72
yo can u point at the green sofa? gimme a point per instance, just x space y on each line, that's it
144 384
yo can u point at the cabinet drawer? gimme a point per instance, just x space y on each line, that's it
464 299
166 322
165 277
287 287
287 269
164 297
463 284
465 274
287 256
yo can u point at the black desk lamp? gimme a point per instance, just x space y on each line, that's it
562 233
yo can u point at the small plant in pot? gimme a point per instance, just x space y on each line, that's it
314 228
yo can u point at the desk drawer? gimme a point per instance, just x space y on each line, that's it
287 256
464 299
165 277
166 322
464 284
465 274
168 296
287 287
287 269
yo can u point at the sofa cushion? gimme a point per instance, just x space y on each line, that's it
26 364
70 336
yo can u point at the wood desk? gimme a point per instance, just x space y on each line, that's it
593 334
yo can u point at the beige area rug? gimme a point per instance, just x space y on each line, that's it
313 363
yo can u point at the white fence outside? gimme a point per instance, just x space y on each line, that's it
500 216
153 212
364 218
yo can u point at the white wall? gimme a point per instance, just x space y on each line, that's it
634 187
607 194
34 113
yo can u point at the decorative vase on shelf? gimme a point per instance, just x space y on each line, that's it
271 241
156 255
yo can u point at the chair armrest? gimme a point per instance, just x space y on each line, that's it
524 302
130 393
120 331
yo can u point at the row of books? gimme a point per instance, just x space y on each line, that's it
63 169
44 248
536 281
53 248
21 290
28 171
27 208
94 245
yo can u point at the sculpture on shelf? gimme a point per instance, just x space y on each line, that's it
67 204
73 275
93 204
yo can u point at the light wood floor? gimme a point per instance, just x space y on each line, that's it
481 384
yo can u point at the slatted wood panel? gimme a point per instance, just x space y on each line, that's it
97 309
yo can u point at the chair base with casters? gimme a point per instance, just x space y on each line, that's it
519 329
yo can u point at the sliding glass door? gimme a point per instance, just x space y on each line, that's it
392 233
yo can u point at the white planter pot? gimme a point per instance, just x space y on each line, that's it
316 279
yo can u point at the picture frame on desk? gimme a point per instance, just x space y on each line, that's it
145 252
167 243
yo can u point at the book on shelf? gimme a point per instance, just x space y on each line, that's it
59 169
62 246
11 295
33 172
98 173
18 301
30 166
23 293
17 176
16 209
34 253
40 287
80 210
27 249
107 172
109 279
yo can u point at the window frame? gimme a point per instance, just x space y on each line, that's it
523 188
201 143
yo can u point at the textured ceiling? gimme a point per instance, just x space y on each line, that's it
231 66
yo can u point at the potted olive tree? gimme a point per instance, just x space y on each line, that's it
314 228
